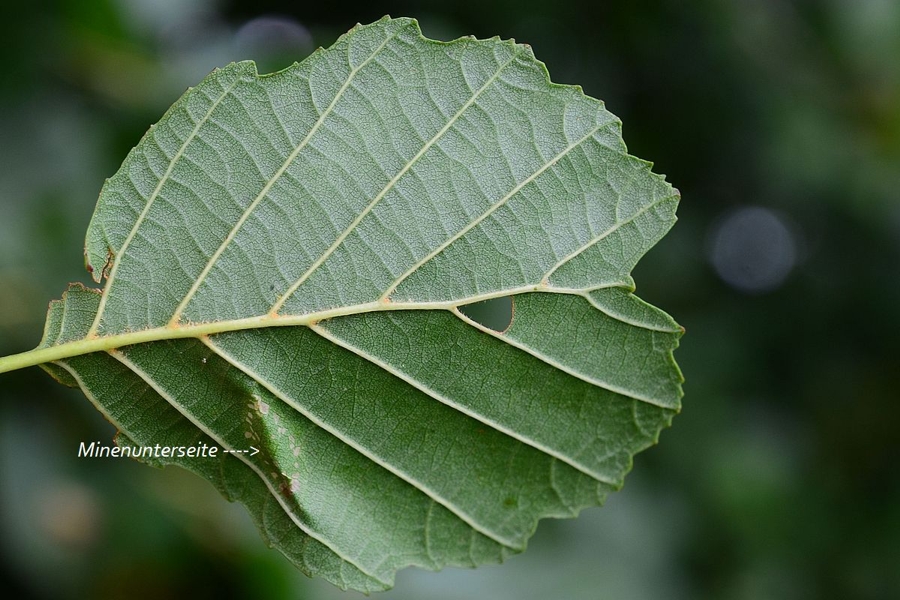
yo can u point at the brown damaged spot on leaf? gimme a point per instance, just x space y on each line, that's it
107 266
81 288
110 257
284 488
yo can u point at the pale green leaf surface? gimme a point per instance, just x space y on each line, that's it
285 257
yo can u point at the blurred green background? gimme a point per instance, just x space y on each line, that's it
779 121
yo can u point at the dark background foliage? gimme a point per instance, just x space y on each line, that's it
778 120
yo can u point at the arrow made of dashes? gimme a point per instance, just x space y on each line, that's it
253 451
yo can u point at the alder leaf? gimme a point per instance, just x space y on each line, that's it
285 260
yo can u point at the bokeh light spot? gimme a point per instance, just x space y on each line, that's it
273 41
752 249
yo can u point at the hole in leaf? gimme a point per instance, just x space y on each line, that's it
496 313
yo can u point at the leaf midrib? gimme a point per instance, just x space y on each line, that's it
96 343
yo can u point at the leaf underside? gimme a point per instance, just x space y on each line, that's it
298 244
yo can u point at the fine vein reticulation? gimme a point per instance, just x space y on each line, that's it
285 257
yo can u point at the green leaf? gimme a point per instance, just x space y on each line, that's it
285 260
